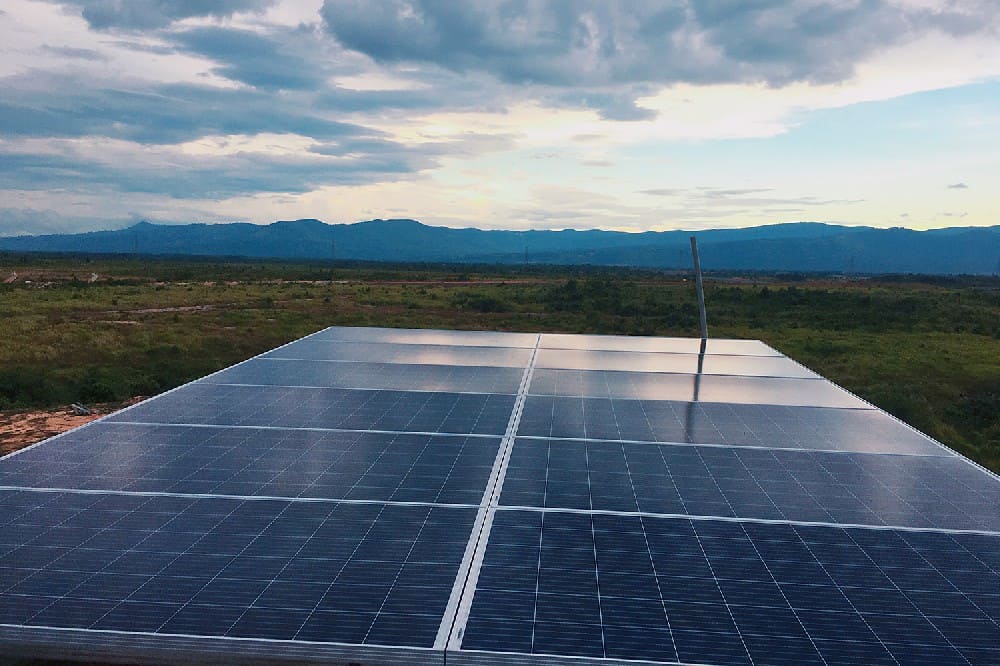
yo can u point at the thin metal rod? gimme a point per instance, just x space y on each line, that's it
698 286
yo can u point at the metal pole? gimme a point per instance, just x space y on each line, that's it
698 286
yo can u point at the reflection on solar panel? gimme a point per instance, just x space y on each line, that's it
402 496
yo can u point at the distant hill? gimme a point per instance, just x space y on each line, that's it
799 246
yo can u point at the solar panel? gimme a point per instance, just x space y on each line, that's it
403 496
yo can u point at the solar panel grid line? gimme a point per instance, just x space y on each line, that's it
638 344
483 517
767 426
430 337
597 580
674 363
216 576
184 649
722 594
465 588
751 447
846 598
784 596
921 612
123 553
300 429
681 387
232 557
795 486
161 395
352 388
538 561
239 498
319 602
666 615
404 354
329 407
751 520
340 465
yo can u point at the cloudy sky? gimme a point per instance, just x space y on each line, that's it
631 115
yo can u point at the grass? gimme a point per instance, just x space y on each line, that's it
924 349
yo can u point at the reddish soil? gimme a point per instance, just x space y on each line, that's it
24 428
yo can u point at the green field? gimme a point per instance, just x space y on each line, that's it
100 329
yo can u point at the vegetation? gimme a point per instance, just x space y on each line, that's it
90 329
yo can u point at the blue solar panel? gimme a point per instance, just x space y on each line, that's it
327 408
628 343
394 496
691 386
421 354
256 462
223 567
352 374
769 426
586 584
709 364
803 486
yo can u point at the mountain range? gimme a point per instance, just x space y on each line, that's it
797 246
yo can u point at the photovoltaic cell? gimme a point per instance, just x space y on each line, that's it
429 337
352 409
771 426
707 388
422 354
644 588
709 364
650 344
254 462
842 488
324 572
453 378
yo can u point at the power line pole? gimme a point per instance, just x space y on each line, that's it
701 291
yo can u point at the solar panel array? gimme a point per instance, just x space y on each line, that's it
412 496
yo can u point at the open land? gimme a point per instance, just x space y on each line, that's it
104 330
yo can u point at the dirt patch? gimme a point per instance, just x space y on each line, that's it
24 428
179 308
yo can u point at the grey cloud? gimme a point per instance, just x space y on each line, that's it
166 113
467 144
662 192
609 106
345 161
958 186
719 198
146 14
596 42
343 99
73 53
253 58
207 177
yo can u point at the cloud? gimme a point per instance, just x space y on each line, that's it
661 192
155 113
743 198
185 174
598 43
74 53
609 106
146 14
253 58
958 186
223 167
